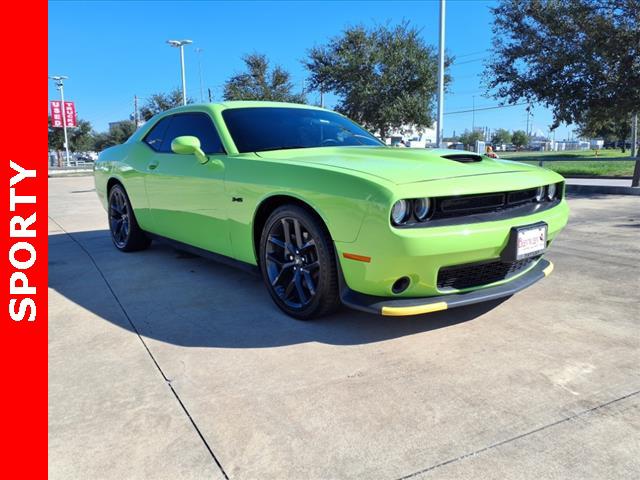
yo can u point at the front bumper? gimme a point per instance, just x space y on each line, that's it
421 253
415 306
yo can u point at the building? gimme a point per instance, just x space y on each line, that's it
412 136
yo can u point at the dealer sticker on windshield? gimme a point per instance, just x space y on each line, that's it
531 241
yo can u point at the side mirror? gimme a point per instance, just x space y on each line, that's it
187 145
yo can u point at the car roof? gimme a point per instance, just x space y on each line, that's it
255 103
216 108
221 106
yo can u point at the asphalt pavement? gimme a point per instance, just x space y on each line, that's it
164 365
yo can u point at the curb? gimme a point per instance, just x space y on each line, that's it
602 189
73 172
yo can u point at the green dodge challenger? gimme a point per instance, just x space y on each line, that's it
327 213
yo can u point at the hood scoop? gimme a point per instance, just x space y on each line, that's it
464 157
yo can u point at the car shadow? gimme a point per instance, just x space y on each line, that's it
183 299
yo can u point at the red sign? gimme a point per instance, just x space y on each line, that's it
69 112
23 339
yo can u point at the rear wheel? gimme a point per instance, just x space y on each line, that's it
298 263
125 231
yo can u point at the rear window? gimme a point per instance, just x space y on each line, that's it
266 128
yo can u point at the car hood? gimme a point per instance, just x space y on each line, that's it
400 166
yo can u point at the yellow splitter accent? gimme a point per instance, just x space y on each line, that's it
414 310
548 270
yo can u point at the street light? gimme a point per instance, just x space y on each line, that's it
59 81
180 44
199 51
439 126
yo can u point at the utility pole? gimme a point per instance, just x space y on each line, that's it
210 97
321 98
180 44
528 113
473 118
634 135
199 51
439 126
59 79
136 117
635 182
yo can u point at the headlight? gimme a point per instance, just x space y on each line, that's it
400 212
551 191
421 208
539 194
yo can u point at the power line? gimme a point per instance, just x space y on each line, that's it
486 108
473 53
455 64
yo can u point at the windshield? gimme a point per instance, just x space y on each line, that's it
265 128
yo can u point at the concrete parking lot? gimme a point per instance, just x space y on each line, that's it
165 365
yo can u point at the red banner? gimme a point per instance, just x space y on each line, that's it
23 241
70 114
57 113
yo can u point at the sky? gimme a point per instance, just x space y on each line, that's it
113 50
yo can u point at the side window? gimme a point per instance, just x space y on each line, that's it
156 135
196 125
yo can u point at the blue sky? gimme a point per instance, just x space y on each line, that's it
112 51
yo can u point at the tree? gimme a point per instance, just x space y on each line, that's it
159 102
470 138
118 133
81 138
611 128
56 137
261 83
501 136
520 138
574 56
385 77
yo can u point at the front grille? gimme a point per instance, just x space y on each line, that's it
478 274
448 207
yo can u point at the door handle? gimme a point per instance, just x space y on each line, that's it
153 165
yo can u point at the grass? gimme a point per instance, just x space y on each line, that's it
583 162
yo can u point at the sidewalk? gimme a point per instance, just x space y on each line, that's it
613 186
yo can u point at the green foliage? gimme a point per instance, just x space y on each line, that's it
81 138
520 138
118 133
611 127
385 77
56 137
470 138
259 82
501 136
159 102
577 57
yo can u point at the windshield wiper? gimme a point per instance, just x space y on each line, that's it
282 147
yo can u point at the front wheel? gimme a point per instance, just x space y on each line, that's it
125 231
298 263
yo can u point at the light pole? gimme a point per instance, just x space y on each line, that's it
59 80
180 44
199 51
473 118
439 127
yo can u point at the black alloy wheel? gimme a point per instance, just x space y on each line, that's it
125 232
298 263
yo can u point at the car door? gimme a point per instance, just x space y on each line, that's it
186 198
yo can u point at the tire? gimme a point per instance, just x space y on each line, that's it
300 273
126 234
